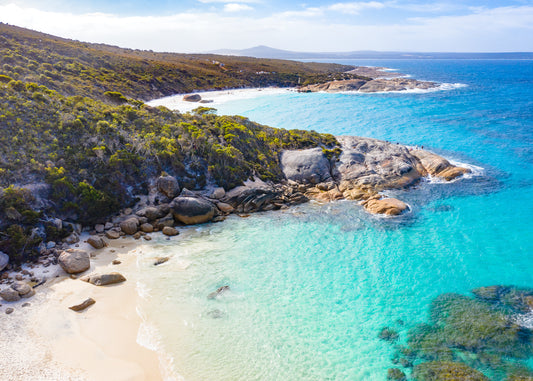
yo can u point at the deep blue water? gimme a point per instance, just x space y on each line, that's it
312 286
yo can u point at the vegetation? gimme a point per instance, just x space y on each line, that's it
472 338
95 157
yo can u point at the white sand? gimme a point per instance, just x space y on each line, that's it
176 102
47 341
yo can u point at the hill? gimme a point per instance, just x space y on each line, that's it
78 68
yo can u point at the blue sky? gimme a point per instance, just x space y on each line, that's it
337 25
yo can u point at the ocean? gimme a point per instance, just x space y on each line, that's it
311 287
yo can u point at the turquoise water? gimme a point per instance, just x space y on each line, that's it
311 287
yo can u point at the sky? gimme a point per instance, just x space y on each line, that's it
307 26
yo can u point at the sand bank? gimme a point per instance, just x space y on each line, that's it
47 341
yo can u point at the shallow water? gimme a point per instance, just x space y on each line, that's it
311 287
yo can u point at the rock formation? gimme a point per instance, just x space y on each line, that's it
104 279
364 168
370 85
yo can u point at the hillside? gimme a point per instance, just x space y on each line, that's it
78 68
78 144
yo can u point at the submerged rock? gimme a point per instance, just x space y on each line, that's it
446 371
388 334
396 374
104 279
218 292
74 261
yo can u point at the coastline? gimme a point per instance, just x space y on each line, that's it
97 343
216 97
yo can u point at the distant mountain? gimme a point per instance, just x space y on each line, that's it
262 51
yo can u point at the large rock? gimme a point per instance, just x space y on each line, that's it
4 260
153 212
147 228
387 206
104 279
9 295
74 261
306 166
192 98
168 185
96 242
246 199
130 226
191 210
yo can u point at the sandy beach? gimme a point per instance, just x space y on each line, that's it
48 341
215 98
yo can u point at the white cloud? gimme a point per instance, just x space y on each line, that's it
355 8
235 7
498 29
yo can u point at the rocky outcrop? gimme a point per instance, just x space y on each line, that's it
436 165
104 279
192 210
74 261
154 212
363 168
192 98
369 85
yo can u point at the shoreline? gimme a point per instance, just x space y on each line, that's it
97 343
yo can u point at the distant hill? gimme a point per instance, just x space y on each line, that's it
262 51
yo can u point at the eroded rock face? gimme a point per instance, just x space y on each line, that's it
74 261
306 166
191 210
